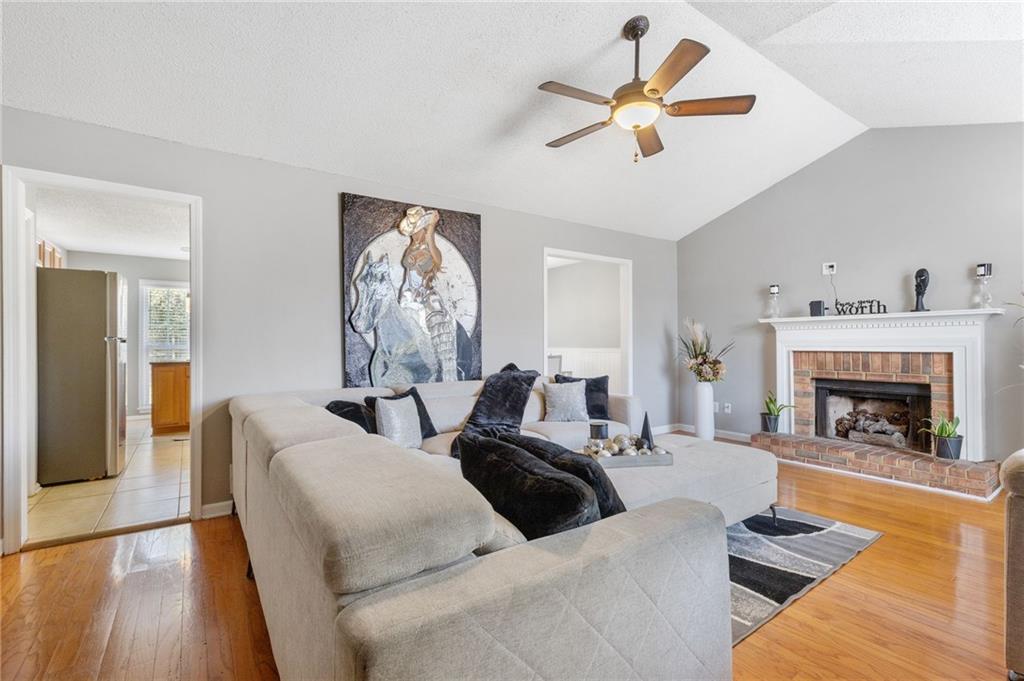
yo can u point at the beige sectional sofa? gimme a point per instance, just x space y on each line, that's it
371 560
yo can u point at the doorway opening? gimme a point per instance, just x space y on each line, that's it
588 317
100 300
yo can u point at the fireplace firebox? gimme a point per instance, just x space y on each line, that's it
888 414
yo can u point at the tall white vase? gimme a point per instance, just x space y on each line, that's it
704 410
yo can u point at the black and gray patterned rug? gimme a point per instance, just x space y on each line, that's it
771 565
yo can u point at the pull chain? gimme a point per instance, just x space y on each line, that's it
636 152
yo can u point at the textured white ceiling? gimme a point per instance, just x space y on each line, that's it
892 64
437 97
106 223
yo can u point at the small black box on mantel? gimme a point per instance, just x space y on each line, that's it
818 308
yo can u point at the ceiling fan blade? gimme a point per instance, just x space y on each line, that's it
575 93
649 141
686 54
582 132
712 106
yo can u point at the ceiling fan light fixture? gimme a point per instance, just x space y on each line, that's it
636 115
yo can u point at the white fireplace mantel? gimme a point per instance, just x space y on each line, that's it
960 332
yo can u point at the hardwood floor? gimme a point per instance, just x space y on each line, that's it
170 603
924 602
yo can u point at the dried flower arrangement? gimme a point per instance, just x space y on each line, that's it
707 365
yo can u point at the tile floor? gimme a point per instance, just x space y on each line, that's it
153 488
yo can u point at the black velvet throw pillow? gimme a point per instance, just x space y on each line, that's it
426 425
583 467
597 394
535 497
358 414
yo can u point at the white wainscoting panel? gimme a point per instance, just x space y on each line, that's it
590 362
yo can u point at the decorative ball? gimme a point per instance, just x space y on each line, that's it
643 451
604 452
621 440
629 451
658 450
612 447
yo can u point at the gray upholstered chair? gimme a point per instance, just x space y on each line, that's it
1012 475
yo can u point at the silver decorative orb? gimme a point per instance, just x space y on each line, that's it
644 451
658 450
604 452
629 451
621 440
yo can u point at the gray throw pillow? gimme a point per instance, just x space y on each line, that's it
565 401
399 421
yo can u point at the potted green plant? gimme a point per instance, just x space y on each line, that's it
947 441
770 415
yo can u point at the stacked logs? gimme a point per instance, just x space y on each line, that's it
860 425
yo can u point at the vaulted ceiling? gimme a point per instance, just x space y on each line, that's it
443 97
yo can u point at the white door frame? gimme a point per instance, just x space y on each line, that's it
18 368
625 307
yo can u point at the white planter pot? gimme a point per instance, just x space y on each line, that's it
704 410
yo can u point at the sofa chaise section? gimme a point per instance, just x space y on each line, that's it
362 553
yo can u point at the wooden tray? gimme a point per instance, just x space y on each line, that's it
636 461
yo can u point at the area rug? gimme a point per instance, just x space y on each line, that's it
771 565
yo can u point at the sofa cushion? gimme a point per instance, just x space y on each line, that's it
534 496
506 535
371 513
425 424
440 444
356 412
271 430
572 435
244 406
583 467
597 394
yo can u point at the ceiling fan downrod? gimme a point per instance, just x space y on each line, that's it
635 29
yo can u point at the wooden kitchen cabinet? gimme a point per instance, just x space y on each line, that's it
170 383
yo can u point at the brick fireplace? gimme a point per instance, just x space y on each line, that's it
923 381
863 385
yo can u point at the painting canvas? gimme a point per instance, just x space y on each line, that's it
411 292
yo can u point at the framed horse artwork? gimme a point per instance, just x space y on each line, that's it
410 286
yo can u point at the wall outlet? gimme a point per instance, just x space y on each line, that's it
728 407
828 268
716 407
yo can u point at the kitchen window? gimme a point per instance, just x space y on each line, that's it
164 310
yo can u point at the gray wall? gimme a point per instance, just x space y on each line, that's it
583 305
133 268
271 273
881 206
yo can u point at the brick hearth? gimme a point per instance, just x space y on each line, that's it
976 478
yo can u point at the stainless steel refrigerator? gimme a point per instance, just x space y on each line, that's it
82 356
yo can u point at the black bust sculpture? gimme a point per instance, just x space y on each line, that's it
920 286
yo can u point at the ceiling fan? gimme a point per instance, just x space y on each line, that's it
636 105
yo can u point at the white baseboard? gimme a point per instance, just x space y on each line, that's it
221 508
890 481
689 430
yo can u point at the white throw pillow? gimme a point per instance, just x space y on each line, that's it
399 421
566 401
